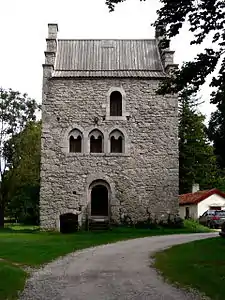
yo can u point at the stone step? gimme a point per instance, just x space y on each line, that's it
97 226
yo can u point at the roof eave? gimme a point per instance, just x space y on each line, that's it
99 77
204 196
188 203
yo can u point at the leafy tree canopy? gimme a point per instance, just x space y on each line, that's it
197 162
206 19
16 110
23 152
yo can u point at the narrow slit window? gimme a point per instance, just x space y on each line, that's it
116 104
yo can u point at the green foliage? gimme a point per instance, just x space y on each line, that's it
198 265
27 246
206 20
12 280
197 162
194 226
170 223
111 4
216 132
220 183
36 248
174 222
16 110
23 152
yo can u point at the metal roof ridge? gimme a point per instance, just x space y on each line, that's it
107 70
115 39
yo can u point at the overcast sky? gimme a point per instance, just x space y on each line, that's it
23 29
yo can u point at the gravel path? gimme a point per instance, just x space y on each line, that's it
113 271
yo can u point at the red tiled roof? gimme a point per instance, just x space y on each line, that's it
194 198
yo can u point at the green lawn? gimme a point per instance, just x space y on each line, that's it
40 247
199 264
12 280
29 247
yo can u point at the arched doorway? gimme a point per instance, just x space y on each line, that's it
68 223
99 200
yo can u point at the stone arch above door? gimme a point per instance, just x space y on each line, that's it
104 178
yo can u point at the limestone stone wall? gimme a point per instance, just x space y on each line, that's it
145 176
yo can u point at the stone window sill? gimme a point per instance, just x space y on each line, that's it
98 154
116 118
117 154
75 154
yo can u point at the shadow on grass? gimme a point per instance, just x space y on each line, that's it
20 230
190 226
117 230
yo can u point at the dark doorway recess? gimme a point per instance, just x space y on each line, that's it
187 213
99 201
68 223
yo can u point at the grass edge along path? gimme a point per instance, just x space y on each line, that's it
23 247
198 265
12 280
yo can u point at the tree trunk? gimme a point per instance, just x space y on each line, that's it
1 216
2 206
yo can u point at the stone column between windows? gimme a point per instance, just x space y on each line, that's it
86 143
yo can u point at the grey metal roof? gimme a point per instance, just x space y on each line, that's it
108 58
124 73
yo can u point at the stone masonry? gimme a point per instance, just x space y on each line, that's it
142 179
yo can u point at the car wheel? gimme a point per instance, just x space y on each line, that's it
212 225
223 227
209 224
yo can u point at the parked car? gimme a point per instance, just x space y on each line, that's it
213 218
222 232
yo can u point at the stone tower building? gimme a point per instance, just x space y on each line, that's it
109 142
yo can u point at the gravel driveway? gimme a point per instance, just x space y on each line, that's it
113 271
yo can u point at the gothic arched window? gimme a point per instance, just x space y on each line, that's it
116 142
115 104
96 141
75 141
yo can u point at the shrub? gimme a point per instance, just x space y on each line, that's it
175 222
194 226
172 221
147 224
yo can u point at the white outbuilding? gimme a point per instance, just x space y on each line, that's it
193 205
